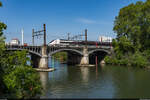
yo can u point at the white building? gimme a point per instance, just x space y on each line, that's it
14 41
105 39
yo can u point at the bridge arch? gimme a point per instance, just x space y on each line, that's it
73 56
98 50
99 53
67 50
30 51
35 56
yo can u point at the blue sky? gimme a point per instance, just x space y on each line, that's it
60 17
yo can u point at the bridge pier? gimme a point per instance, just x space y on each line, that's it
43 64
85 58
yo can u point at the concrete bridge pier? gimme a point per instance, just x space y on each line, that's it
85 58
43 63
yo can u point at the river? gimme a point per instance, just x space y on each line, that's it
91 82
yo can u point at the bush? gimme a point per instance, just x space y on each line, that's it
107 60
23 82
123 61
139 60
62 56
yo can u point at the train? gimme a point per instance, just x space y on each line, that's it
90 43
62 42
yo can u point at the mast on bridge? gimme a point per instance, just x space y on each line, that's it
33 37
38 33
44 34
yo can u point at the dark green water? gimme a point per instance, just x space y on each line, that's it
87 82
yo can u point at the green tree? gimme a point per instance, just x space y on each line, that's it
23 82
20 79
2 49
16 77
133 22
123 45
12 59
61 56
132 27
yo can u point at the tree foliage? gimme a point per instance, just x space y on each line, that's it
16 77
23 82
132 27
133 22
20 79
61 56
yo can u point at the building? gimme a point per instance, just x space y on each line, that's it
105 39
14 41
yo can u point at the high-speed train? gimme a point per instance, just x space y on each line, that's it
63 42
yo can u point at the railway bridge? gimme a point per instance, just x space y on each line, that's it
83 55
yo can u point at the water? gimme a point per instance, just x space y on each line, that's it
87 82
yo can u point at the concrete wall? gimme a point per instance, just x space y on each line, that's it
44 59
85 57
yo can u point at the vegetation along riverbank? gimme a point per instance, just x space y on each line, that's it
61 56
17 79
132 44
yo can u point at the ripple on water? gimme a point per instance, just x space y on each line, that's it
107 82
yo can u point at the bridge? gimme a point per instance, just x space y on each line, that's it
82 54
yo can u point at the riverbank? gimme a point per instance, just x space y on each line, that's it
136 59
117 65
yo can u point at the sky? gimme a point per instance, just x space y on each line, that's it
61 17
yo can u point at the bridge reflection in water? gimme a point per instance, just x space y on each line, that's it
44 79
108 82
70 82
85 74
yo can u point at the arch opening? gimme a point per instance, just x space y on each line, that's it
66 50
33 56
67 56
100 56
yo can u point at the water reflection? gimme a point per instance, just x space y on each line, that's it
44 79
85 74
95 82
102 65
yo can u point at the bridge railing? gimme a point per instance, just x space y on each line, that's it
22 47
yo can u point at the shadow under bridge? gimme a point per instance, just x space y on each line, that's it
99 53
73 56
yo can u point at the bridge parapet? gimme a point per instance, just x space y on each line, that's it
40 54
32 49
51 49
